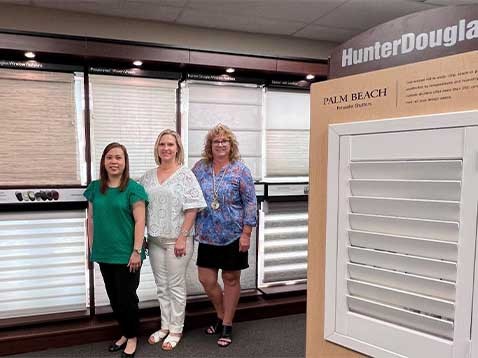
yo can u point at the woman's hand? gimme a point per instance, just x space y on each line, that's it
244 242
134 263
180 246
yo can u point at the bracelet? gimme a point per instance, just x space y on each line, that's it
184 232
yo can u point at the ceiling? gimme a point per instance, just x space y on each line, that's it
330 20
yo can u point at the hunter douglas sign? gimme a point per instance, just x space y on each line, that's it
417 37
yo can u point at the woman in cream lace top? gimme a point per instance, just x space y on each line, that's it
174 199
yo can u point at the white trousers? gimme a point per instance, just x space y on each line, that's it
170 276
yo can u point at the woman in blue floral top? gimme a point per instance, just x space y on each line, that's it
224 228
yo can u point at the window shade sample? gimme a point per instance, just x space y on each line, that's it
38 140
132 111
238 107
287 133
284 244
43 263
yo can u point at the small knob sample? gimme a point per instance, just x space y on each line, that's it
31 195
19 196
55 195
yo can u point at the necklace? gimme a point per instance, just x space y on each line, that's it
215 197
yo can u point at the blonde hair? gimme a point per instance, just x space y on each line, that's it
179 145
220 129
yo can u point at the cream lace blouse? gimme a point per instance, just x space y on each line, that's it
169 200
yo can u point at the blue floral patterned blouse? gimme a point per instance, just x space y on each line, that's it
237 203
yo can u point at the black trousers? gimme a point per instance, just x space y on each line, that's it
121 286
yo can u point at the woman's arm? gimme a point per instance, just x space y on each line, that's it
139 214
180 246
89 231
249 201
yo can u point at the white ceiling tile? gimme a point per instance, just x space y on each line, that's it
365 14
147 12
298 10
239 23
316 32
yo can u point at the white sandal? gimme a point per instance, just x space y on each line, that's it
173 340
158 336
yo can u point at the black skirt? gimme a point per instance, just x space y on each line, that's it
226 258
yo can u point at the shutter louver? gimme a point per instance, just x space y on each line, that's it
407 234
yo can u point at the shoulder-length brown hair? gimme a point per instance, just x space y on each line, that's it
104 173
220 129
179 145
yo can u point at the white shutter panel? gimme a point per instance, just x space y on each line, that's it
131 111
287 134
237 106
283 243
42 260
404 249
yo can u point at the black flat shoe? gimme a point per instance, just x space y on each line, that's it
115 348
127 355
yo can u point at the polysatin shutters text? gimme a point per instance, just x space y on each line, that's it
132 111
405 231
38 140
287 134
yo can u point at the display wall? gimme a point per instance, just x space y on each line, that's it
442 85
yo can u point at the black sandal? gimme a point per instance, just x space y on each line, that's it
225 339
214 328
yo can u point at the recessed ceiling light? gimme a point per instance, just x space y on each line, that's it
230 70
30 54
310 77
138 63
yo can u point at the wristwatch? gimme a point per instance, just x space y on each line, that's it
138 251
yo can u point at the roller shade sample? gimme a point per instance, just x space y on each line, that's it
132 111
42 261
238 107
287 133
38 140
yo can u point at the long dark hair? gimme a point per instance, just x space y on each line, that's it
104 173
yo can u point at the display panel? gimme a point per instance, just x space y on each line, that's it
43 263
38 140
287 134
132 111
237 106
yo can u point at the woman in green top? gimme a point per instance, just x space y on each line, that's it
116 220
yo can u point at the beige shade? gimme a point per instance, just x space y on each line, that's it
38 144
